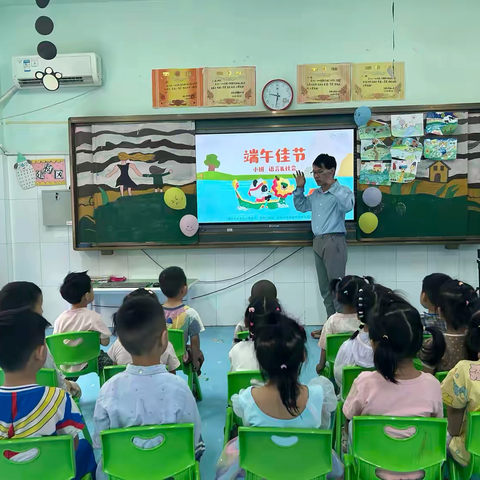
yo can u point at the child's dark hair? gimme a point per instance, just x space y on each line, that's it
454 301
260 312
75 286
139 323
21 332
472 340
431 286
172 280
346 288
19 294
263 288
281 352
155 170
395 327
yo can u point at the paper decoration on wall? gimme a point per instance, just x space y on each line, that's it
323 83
362 116
42 3
410 125
374 149
378 81
229 87
374 173
189 225
44 25
25 172
374 129
50 171
407 149
368 222
177 87
441 123
403 171
372 197
440 148
49 78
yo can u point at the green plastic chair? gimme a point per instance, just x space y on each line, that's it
47 377
55 455
263 454
440 376
110 371
174 457
237 381
333 344
86 352
372 448
177 339
472 444
243 335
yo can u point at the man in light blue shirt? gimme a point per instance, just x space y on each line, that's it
329 204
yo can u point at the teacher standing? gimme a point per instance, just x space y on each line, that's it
329 204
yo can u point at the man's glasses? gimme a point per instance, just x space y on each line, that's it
317 173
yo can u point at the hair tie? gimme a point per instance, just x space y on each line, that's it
345 292
278 309
283 366
251 310
467 302
251 324
385 336
460 283
361 290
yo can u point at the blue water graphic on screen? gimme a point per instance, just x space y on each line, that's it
248 177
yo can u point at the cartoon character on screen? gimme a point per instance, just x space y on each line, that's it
157 173
25 172
260 191
282 188
124 180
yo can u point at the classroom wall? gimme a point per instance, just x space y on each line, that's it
134 37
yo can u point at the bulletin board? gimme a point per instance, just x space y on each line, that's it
428 210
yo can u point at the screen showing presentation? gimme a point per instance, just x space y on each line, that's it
248 177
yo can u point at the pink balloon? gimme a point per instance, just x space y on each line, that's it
189 225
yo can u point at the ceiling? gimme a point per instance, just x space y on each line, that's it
5 3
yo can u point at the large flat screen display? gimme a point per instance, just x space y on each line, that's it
248 177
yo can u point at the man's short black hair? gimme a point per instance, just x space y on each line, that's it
431 287
19 294
172 280
75 286
21 332
139 323
326 161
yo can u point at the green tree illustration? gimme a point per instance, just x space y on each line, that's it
212 162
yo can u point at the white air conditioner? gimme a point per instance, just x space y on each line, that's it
77 69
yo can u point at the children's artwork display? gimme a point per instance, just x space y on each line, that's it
177 87
374 149
440 148
248 177
323 83
374 173
229 87
378 81
410 125
407 149
403 171
135 182
374 129
441 123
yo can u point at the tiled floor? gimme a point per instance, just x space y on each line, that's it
216 343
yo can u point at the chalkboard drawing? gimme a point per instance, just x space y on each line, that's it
124 180
374 129
407 149
212 162
438 172
407 125
25 172
374 173
374 149
441 123
157 173
403 171
440 148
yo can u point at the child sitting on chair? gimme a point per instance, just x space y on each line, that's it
429 298
145 393
120 356
173 283
261 289
242 355
29 410
28 295
284 402
77 290
346 290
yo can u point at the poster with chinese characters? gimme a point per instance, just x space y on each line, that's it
229 87
49 171
323 83
177 87
378 81
248 177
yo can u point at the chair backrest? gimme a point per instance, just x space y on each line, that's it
424 450
177 339
63 354
236 381
349 374
55 459
124 459
47 377
274 453
440 376
334 342
472 444
110 371
243 335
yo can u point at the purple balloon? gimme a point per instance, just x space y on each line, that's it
189 225
372 196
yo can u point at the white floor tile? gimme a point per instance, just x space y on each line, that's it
171 257
291 268
201 264
292 299
55 263
141 267
206 306
53 303
231 304
412 262
4 278
310 272
116 264
3 221
381 263
441 260
356 260
27 263
315 313
412 291
24 218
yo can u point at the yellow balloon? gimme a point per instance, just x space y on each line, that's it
368 222
175 198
